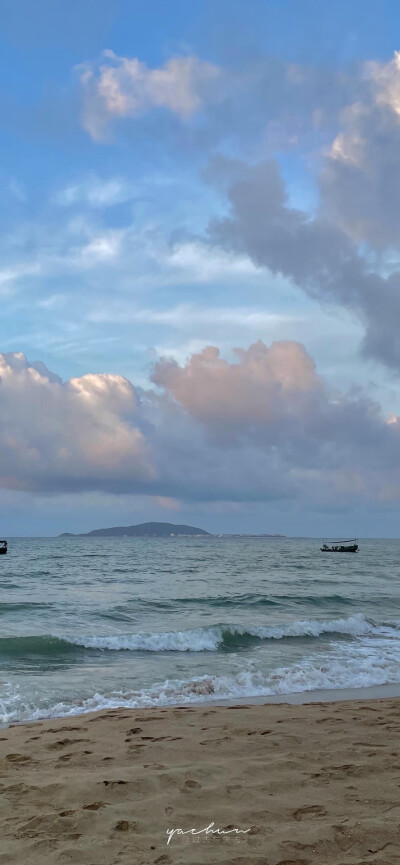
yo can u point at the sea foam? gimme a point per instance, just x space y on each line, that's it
219 636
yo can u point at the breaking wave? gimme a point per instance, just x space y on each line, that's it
353 670
223 637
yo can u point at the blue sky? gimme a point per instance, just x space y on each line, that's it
133 230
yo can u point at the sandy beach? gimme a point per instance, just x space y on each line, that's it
316 783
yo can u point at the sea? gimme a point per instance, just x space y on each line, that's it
92 623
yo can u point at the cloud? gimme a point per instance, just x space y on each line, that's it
317 254
263 389
360 181
95 192
72 436
126 87
262 427
346 251
274 398
180 317
293 436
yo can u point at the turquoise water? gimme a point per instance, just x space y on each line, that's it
102 622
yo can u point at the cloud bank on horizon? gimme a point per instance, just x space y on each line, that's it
262 427
187 196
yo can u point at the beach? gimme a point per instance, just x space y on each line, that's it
316 783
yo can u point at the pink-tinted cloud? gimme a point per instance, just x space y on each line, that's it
264 386
126 87
264 426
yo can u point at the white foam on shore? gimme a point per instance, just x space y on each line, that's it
350 667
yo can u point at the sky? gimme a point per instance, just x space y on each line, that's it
200 266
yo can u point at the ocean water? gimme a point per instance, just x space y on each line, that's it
106 622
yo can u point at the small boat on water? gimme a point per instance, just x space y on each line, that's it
349 546
3 547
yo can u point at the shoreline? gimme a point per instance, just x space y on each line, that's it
312 783
298 698
324 695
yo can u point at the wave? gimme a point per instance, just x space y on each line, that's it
224 637
164 604
34 646
252 600
18 607
228 637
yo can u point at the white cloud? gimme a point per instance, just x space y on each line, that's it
206 263
185 315
16 271
386 81
77 435
126 87
95 192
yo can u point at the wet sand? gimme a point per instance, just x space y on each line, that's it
316 783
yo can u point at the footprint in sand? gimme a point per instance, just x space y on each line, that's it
231 787
124 826
293 862
192 784
66 813
64 729
18 758
309 811
113 783
216 741
150 718
18 790
95 806
62 743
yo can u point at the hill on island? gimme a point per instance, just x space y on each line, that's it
144 530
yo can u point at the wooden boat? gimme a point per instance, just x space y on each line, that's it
3 547
349 546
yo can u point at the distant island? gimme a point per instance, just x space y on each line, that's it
158 530
144 530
